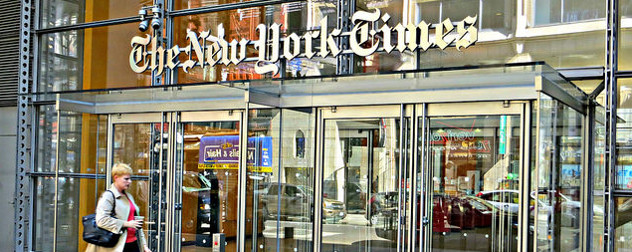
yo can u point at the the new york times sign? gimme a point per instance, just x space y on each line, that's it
364 39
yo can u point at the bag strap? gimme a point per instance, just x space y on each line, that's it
113 214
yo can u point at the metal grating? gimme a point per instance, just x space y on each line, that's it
9 52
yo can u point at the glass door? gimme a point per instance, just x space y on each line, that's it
140 140
206 179
361 178
470 176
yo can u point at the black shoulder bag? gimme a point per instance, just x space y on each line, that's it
96 235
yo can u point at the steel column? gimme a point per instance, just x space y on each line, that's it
610 79
23 132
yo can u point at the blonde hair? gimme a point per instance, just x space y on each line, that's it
121 169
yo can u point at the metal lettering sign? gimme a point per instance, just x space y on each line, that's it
364 39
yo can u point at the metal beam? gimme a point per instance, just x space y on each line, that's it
21 201
610 79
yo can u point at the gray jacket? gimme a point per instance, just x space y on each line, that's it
106 221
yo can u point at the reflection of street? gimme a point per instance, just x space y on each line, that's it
349 231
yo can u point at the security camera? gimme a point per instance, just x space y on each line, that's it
156 21
144 21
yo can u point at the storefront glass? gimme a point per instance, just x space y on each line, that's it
208 205
262 181
474 162
43 213
382 61
46 139
360 188
93 58
624 136
296 180
556 195
241 24
76 197
625 34
191 4
623 224
599 181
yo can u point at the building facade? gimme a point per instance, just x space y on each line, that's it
330 125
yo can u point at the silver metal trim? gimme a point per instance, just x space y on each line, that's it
525 170
243 166
411 208
536 172
587 180
109 151
56 182
318 176
400 174
161 154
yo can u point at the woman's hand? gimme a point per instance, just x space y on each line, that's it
146 249
135 224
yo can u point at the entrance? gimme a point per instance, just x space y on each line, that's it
470 171
467 159
186 175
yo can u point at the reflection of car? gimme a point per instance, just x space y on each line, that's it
380 204
355 196
297 203
503 199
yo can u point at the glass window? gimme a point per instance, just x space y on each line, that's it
191 4
46 139
262 210
497 15
209 180
286 215
567 11
474 162
137 145
76 198
64 12
559 179
300 144
43 213
360 179
599 177
240 24
624 135
625 35
384 62
623 224
94 58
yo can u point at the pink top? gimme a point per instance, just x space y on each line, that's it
131 233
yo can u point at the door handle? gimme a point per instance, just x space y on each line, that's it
177 206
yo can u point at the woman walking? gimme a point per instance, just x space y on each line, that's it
124 220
